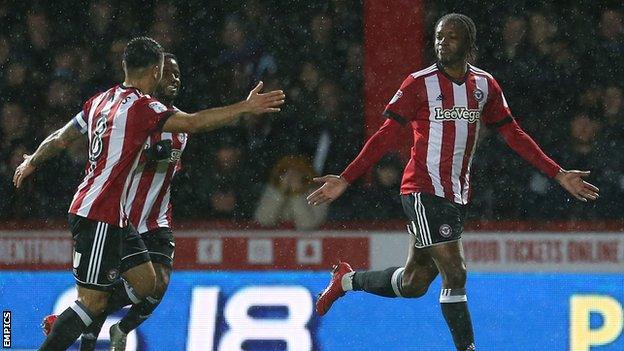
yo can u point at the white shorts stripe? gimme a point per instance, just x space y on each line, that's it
416 230
96 243
101 253
424 217
98 253
421 226
93 252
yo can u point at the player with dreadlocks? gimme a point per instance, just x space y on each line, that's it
445 105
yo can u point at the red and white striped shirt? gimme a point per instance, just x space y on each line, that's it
445 116
148 203
117 122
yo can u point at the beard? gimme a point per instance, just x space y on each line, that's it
164 97
461 55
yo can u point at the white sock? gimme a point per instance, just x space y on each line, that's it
347 281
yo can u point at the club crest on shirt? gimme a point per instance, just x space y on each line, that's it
396 96
478 95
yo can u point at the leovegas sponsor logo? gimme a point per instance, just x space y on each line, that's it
457 113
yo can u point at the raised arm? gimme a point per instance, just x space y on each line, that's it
527 148
384 140
56 142
205 120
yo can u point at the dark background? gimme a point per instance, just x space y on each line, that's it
560 66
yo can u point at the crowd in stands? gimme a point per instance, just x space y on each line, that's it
562 71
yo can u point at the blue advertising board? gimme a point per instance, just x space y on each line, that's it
261 311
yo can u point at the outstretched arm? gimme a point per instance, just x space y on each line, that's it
385 139
205 120
528 149
56 142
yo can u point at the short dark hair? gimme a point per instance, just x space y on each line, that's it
469 28
169 55
142 52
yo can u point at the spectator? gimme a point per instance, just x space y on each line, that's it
382 194
607 63
330 137
284 197
220 185
613 108
581 152
552 69
14 126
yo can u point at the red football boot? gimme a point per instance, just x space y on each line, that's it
334 290
47 323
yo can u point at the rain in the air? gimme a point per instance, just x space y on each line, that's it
324 175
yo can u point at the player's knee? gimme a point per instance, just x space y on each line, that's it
146 286
95 304
456 277
161 287
413 285
417 290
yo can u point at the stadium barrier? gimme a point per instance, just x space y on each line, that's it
255 290
290 250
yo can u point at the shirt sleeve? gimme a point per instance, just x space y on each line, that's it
149 115
81 119
80 122
527 148
496 112
403 105
384 140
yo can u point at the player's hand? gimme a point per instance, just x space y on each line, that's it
573 182
22 171
258 103
333 186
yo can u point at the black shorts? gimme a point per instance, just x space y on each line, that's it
433 219
102 252
160 245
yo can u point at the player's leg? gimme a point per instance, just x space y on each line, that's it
450 261
75 319
420 271
140 312
121 295
412 280
138 270
441 226
161 250
96 261
161 246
